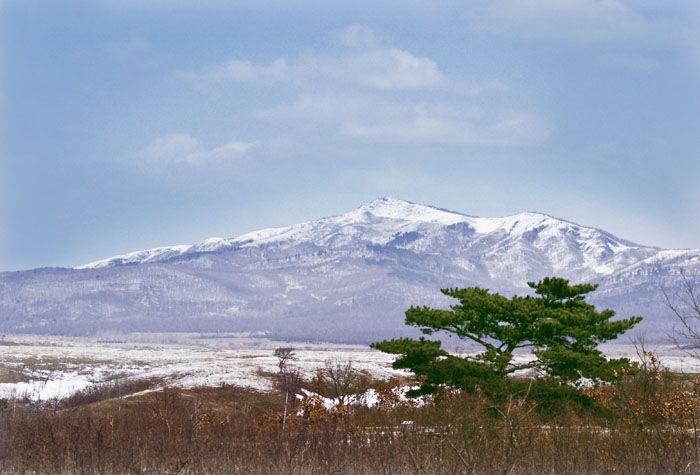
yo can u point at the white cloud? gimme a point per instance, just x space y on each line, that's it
329 107
506 130
185 149
374 93
386 68
582 21
367 64
359 36
246 71
390 69
334 106
374 118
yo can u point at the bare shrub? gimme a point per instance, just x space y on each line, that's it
685 307
341 380
235 430
284 355
116 388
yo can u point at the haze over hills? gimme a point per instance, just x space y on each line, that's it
346 278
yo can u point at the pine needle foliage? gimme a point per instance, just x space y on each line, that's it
557 326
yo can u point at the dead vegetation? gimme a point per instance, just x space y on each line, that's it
11 375
115 389
645 423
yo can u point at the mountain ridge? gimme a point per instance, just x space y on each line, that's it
344 278
213 244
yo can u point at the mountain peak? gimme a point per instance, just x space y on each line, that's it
398 209
379 221
388 203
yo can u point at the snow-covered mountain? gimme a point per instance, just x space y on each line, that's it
341 278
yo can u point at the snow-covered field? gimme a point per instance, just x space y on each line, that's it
55 367
44 368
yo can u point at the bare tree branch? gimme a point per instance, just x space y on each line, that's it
685 307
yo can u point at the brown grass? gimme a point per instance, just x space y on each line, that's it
233 430
11 375
53 363
114 390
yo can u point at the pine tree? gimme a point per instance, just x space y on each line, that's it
559 328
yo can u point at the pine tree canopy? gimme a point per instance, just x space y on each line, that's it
557 327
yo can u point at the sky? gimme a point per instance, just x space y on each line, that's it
128 124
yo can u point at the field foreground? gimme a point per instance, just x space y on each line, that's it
219 407
43 368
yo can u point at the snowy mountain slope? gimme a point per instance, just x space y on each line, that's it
342 278
398 223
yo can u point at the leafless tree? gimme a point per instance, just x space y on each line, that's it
342 380
284 355
685 306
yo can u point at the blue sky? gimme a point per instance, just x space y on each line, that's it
130 124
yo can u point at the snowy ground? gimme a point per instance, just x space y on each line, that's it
52 367
44 368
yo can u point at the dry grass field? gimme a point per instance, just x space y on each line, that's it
642 424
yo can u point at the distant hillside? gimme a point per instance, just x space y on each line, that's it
346 278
